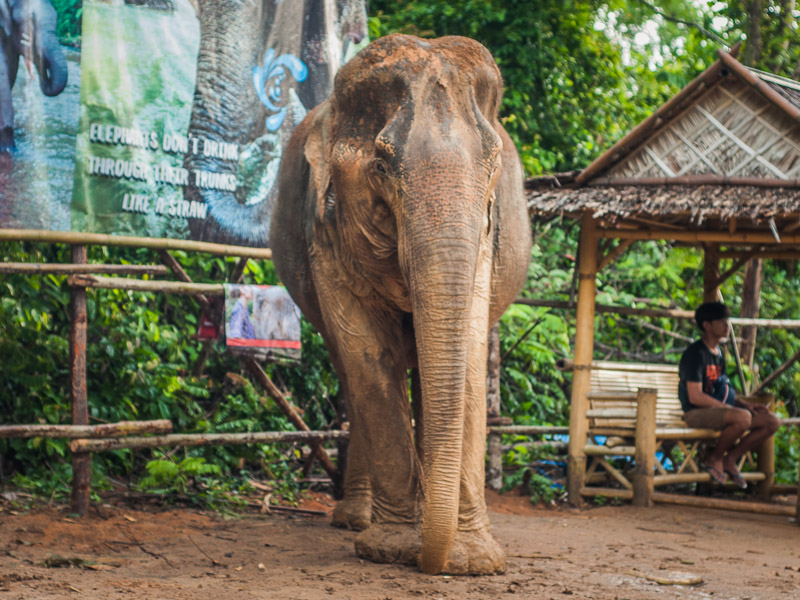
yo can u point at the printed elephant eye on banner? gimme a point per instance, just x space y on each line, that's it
268 80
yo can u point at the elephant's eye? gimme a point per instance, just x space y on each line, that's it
380 166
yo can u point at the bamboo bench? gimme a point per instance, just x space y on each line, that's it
634 412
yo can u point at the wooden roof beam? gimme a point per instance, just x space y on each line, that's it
748 238
613 254
760 85
707 179
762 253
736 266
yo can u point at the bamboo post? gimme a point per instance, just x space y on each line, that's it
528 429
584 343
102 239
207 439
797 511
85 431
494 467
669 313
759 508
287 409
69 269
645 447
765 456
138 285
81 461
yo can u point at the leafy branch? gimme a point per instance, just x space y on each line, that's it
694 24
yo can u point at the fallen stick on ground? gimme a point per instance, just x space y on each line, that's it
665 581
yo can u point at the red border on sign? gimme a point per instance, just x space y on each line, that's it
264 343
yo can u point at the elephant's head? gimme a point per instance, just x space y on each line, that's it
405 157
31 27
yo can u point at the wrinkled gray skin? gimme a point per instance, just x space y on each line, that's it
402 234
27 29
234 37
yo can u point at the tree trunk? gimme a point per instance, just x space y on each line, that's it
710 272
752 51
751 301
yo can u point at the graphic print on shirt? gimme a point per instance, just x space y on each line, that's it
713 372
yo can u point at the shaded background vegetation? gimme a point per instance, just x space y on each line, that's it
578 75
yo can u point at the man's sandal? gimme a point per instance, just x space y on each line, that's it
737 479
716 475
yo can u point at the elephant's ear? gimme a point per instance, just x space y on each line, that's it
317 154
5 17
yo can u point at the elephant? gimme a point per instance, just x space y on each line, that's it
275 315
28 30
401 232
250 90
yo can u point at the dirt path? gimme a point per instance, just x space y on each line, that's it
608 553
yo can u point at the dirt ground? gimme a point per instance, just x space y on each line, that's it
598 553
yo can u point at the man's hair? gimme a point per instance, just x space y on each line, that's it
710 311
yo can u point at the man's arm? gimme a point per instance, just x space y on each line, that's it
698 397
702 400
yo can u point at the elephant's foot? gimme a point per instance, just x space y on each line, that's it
352 513
389 543
475 553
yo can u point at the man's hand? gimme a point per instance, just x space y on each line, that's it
752 408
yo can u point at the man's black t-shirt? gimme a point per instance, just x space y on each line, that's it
698 363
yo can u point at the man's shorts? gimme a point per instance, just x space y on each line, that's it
707 418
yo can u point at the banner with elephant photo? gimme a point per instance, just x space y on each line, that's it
161 118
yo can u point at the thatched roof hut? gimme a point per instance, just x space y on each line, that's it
722 153
716 165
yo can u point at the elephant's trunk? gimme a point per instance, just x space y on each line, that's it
50 63
226 111
441 277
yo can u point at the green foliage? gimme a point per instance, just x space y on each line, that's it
141 354
69 20
168 476
524 474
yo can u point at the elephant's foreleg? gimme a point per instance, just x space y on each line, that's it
372 359
354 511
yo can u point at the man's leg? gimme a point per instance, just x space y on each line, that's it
736 422
763 424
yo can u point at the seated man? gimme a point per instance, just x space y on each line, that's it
708 400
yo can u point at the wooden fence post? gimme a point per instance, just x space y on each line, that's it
81 461
797 511
645 453
765 458
584 348
316 447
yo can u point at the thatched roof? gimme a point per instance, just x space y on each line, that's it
678 203
726 146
